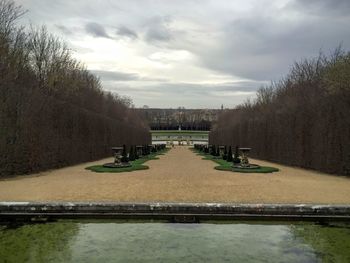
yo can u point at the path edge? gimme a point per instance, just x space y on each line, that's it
174 212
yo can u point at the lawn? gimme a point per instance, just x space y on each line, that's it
227 166
135 165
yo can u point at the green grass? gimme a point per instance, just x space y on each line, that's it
227 166
135 165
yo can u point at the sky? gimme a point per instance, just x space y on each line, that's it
192 53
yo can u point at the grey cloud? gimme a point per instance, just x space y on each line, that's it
191 89
126 32
81 50
263 48
252 39
322 7
115 75
106 75
63 29
157 29
206 95
65 10
157 34
96 30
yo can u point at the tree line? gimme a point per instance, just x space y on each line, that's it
53 111
302 120
172 119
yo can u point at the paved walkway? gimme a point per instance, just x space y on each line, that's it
179 176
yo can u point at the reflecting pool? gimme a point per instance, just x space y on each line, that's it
115 241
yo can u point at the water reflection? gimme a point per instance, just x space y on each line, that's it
37 243
331 243
68 241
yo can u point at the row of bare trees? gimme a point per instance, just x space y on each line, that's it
303 120
53 112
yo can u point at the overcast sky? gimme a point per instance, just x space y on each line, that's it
192 53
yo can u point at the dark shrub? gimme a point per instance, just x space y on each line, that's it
124 158
236 159
229 154
132 154
224 156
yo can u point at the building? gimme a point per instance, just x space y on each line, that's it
179 137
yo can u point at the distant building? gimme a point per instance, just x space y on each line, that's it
179 137
172 119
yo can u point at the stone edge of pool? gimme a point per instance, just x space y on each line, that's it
176 212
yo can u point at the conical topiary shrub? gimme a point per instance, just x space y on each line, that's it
236 159
213 150
229 155
124 158
145 150
217 152
131 154
148 149
154 149
224 156
136 153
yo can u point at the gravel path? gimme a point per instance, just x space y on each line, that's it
179 176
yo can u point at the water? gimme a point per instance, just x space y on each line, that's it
101 241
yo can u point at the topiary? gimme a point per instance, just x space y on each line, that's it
236 159
217 153
229 154
124 158
154 148
224 156
213 150
132 154
136 153
145 150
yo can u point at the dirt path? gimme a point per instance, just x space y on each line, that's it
180 175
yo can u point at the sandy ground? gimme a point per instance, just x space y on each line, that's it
179 176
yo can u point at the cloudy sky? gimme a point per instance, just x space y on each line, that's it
192 53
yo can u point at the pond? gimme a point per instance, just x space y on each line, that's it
117 241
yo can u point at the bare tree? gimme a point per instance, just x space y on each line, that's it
53 112
301 120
